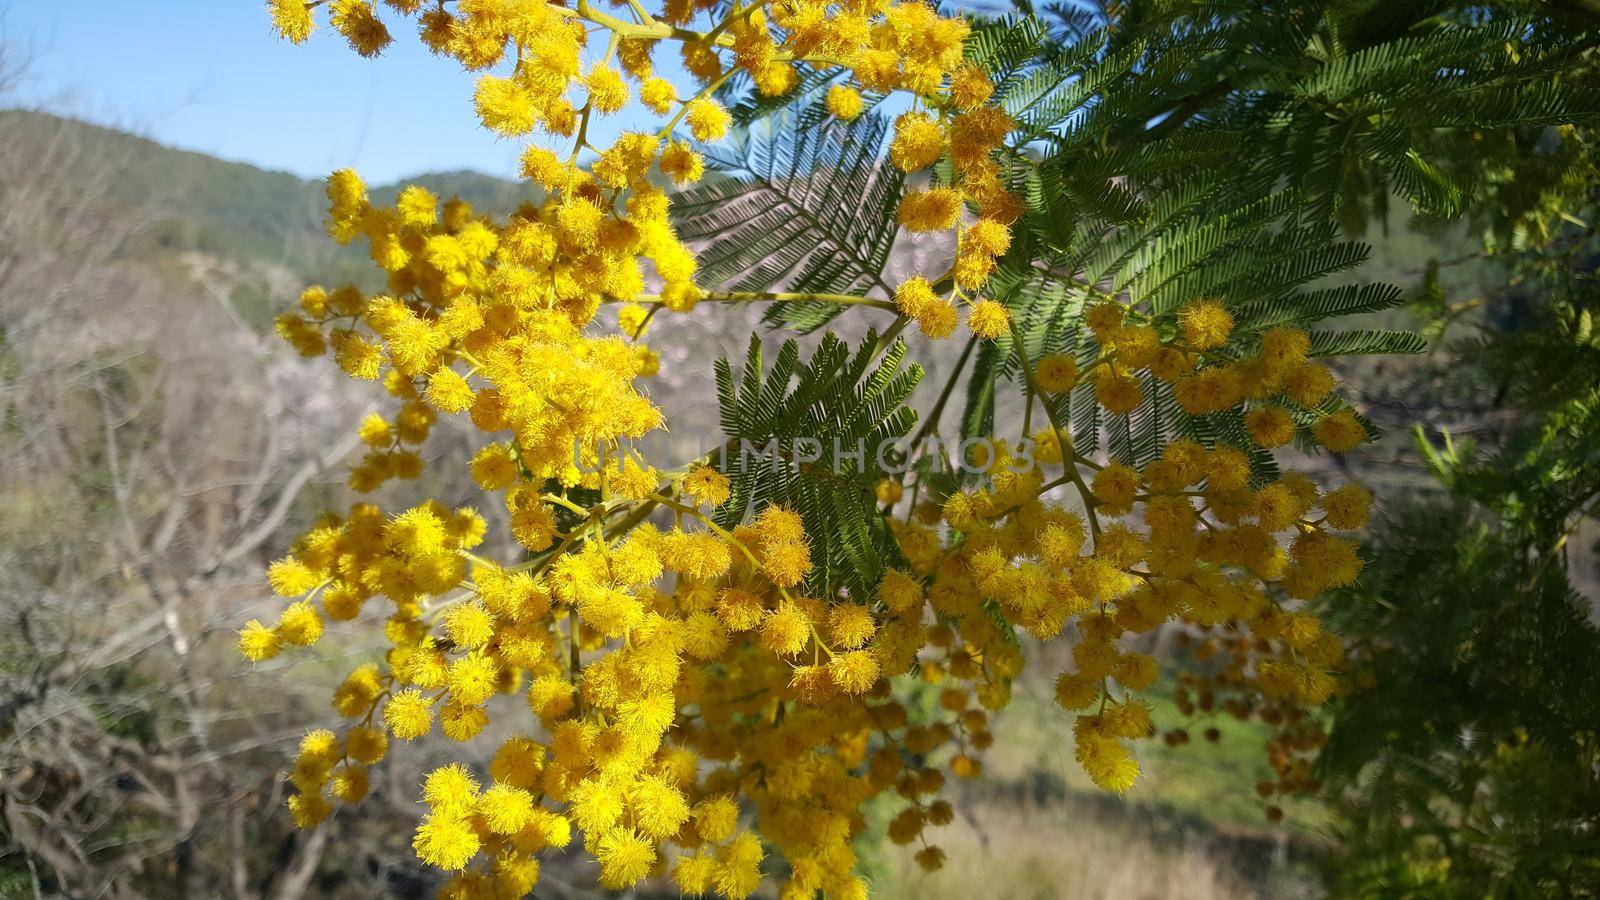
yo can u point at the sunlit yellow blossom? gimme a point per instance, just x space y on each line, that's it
988 319
918 141
719 642
292 19
1205 324
1340 431
408 715
844 101
706 485
707 120
258 642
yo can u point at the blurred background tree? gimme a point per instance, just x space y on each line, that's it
1466 760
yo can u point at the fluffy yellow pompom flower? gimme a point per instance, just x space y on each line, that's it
408 715
988 319
1205 324
469 625
1108 763
1114 487
292 19
300 624
715 818
418 207
503 106
854 672
844 101
360 26
448 391
657 94
1075 692
708 121
659 809
446 841
706 485
579 221
450 789
913 296
899 592
550 697
505 809
699 555
375 431
851 626
693 874
356 356
607 91
1308 384
1228 469
1118 392
1340 431
934 209
889 491
681 164
308 810
473 679
1269 426
627 161
776 79
972 270
625 858
739 867
1056 373
1283 347
970 88
1104 319
938 320
738 610
786 563
786 630
541 166
291 578
257 642
986 237
493 468
349 784
366 746
596 806
1347 506
358 691
918 141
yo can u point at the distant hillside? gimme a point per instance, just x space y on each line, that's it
190 202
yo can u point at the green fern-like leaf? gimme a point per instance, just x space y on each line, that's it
807 435
802 203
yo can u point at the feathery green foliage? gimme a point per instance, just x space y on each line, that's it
1467 761
806 435
804 202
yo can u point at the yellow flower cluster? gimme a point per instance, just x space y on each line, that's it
688 705
1207 551
1188 354
681 680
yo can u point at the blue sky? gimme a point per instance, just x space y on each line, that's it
209 75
